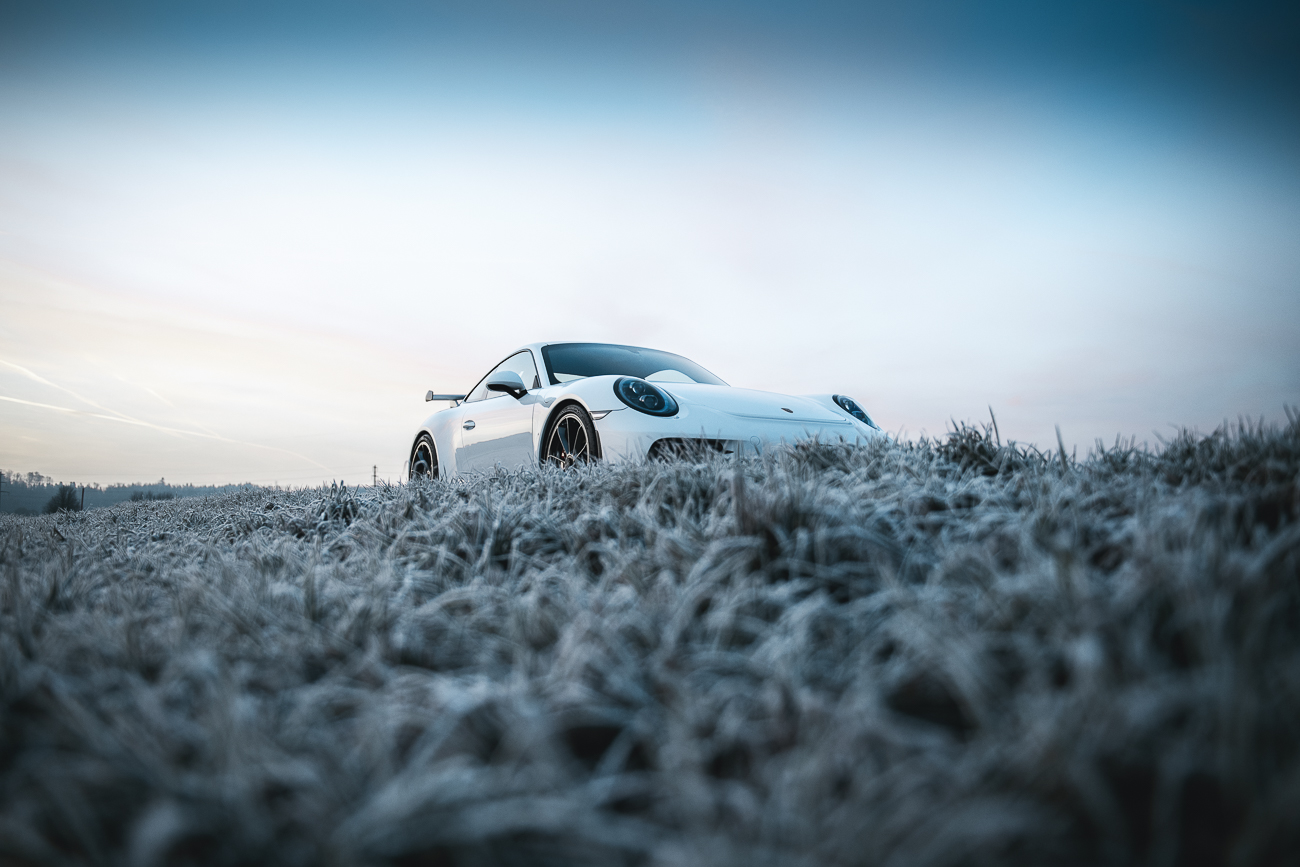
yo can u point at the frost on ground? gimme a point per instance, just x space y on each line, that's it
935 653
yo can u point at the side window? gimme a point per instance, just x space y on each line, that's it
480 391
521 363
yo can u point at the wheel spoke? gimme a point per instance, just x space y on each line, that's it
569 441
554 451
424 463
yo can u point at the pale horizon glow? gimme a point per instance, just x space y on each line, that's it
250 268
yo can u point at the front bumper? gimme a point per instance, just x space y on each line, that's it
626 434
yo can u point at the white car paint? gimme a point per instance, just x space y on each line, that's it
508 432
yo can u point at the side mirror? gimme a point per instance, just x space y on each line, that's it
509 382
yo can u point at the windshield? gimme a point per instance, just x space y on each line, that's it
569 361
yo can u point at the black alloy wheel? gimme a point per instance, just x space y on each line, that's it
571 439
424 459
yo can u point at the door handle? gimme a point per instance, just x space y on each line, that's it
469 425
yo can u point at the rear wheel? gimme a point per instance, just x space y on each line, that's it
571 438
424 458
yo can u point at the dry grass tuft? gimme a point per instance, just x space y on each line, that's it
950 652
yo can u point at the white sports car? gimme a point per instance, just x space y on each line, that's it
570 402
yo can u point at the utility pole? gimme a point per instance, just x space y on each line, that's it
2 490
374 476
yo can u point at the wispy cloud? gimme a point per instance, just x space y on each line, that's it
146 389
43 381
162 428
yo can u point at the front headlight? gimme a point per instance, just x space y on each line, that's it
644 397
850 406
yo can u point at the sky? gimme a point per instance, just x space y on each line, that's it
239 241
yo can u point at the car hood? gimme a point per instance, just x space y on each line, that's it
748 403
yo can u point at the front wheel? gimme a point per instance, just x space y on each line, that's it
571 438
424 458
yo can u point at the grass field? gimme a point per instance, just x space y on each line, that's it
949 652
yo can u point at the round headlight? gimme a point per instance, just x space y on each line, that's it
850 406
644 397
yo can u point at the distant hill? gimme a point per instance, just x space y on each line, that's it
27 493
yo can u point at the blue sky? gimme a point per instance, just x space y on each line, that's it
239 242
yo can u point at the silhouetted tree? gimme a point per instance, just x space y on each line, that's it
64 501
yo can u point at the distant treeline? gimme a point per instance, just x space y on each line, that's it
33 493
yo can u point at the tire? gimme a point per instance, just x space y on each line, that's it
424 458
570 438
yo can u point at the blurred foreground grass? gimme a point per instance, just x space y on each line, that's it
948 652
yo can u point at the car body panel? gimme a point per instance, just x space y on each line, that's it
508 432
502 432
750 403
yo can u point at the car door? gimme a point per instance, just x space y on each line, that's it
495 427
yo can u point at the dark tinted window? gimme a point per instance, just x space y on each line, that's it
567 361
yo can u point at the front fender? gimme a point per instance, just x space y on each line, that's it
586 393
828 401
